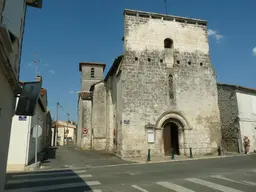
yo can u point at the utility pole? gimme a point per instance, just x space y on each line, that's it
67 128
56 126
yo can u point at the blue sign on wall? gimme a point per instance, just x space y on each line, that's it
22 118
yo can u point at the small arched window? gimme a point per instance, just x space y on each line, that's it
171 88
92 72
168 43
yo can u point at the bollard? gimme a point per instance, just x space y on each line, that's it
190 152
148 159
219 151
172 154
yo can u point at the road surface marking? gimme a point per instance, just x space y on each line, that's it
139 188
55 187
47 179
49 173
227 179
250 182
212 185
174 187
95 190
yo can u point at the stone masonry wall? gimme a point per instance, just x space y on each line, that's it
86 123
229 122
87 80
85 141
110 113
99 117
145 86
79 124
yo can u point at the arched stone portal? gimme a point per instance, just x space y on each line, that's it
172 126
171 138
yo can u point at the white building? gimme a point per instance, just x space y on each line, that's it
238 116
22 143
12 17
66 130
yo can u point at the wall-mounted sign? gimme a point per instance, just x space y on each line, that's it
84 131
22 118
37 131
126 122
151 135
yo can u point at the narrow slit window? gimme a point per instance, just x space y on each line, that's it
92 73
171 87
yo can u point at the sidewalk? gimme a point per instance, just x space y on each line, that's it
178 158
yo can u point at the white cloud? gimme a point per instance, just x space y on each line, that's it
211 32
74 92
52 72
254 51
30 64
214 34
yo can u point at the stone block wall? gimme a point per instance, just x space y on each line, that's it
145 85
85 141
86 123
87 80
99 115
110 113
229 122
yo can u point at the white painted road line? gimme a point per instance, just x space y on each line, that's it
212 185
47 179
174 187
55 187
250 183
139 188
49 173
227 179
96 190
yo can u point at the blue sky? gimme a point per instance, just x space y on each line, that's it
64 33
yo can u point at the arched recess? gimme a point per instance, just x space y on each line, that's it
175 117
172 126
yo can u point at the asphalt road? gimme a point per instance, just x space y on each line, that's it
70 156
231 174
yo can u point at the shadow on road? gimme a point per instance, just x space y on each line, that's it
45 156
54 181
69 156
49 153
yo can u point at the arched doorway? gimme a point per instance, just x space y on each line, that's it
171 138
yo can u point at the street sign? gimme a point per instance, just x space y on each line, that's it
22 118
37 131
85 131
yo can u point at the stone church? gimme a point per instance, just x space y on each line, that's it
161 94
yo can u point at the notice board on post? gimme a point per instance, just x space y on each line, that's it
151 135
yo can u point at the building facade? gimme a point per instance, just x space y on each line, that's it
238 116
66 132
161 94
11 34
22 142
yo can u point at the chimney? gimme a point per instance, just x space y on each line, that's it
39 79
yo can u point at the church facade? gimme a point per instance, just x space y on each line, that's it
161 94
